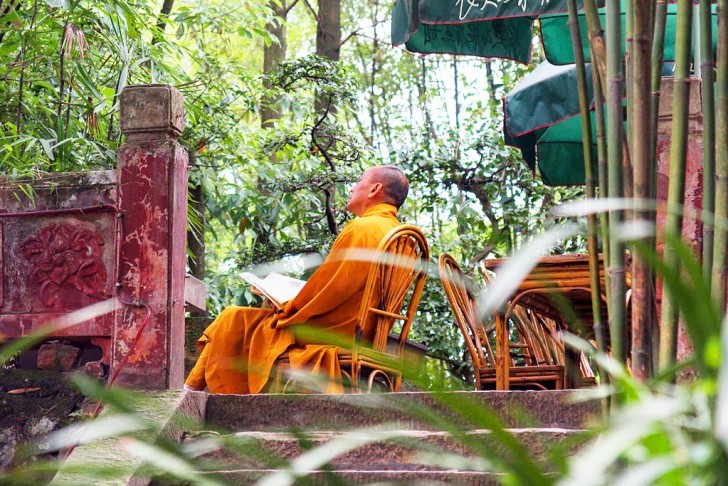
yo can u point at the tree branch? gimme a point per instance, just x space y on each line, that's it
330 213
314 136
313 12
162 20
293 4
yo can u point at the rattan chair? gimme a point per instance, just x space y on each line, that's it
393 289
534 362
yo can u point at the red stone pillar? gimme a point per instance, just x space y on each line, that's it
152 184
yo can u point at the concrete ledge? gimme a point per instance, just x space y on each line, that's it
165 414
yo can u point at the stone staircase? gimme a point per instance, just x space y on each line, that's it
405 438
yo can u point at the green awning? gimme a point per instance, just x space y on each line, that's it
508 38
460 11
560 153
555 29
547 95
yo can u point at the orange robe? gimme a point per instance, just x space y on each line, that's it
241 346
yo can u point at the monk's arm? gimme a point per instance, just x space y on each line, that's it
340 278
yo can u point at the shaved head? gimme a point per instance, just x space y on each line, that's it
380 184
394 184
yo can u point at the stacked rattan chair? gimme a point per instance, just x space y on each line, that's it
535 358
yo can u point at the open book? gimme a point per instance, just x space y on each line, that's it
278 288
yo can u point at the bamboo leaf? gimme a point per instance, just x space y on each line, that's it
47 148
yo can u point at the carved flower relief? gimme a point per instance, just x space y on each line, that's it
65 256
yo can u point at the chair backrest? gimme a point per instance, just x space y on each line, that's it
541 336
394 285
464 306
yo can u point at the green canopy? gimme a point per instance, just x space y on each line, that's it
555 29
460 11
508 38
560 152
557 151
547 95
485 28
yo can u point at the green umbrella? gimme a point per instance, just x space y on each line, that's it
555 29
502 29
557 151
542 120
547 95
560 152
474 27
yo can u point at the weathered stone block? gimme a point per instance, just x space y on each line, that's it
95 368
151 108
58 357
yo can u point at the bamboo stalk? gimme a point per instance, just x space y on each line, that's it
615 133
628 174
629 73
706 73
597 44
676 188
599 69
603 178
599 60
644 173
586 135
720 242
600 332
658 54
60 129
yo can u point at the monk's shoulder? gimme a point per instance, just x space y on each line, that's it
370 227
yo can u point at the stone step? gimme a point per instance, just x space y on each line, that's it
405 438
411 410
337 478
381 449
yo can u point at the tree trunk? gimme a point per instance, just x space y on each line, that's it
328 45
272 54
162 20
328 37
269 111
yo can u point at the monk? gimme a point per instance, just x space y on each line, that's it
241 346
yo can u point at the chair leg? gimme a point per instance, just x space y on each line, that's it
278 381
355 377
397 383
